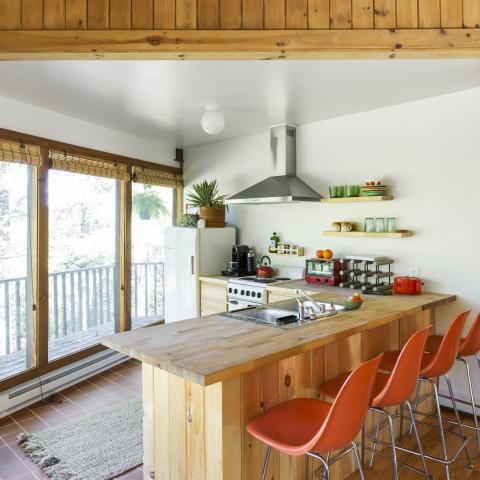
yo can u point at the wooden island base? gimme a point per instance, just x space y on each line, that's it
199 432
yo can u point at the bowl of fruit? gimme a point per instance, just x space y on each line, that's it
374 188
354 302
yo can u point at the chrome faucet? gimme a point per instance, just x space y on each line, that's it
306 313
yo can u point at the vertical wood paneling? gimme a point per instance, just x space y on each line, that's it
162 423
318 14
142 14
252 14
10 14
297 14
471 13
208 14
230 14
232 429
186 14
362 14
76 14
385 14
340 14
121 15
54 14
164 14
407 13
451 13
253 450
148 418
98 11
274 14
428 13
195 398
32 14
178 431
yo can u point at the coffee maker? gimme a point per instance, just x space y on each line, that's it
242 263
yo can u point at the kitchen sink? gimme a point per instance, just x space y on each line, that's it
285 315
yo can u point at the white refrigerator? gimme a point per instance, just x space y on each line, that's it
189 254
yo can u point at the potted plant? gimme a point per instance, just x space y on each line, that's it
148 205
206 197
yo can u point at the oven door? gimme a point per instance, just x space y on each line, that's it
234 305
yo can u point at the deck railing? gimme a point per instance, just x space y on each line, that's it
79 300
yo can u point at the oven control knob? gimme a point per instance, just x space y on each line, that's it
242 292
259 295
248 293
235 291
230 290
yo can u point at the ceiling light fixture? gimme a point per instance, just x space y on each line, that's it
213 121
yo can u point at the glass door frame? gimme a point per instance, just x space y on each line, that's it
39 254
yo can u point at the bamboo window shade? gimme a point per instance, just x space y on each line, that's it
88 166
157 177
17 152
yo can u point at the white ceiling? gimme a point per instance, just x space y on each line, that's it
165 99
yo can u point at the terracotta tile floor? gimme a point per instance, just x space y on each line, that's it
117 385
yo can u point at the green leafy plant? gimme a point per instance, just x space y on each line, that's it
188 220
206 194
148 205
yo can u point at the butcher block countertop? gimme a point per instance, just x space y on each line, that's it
209 349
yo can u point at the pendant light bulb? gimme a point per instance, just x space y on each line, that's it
213 121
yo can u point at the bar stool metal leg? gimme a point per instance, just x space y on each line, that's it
442 434
377 432
359 461
306 467
419 442
415 403
394 447
472 399
265 465
459 423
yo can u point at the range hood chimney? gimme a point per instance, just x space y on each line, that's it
283 188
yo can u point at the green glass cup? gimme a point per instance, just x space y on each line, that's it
352 190
369 225
340 190
333 191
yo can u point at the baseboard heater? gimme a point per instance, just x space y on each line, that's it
30 392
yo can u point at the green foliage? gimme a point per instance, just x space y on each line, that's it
148 205
188 220
206 194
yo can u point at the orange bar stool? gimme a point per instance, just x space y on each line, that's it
306 426
434 366
392 390
469 347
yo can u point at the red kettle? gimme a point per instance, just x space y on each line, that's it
264 270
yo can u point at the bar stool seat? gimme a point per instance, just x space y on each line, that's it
332 387
390 359
289 426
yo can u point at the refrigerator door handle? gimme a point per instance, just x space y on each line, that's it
192 264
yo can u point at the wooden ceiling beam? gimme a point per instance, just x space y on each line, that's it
217 44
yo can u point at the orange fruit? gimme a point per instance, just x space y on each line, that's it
320 253
327 253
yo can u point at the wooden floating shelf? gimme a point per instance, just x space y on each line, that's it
378 198
295 252
397 234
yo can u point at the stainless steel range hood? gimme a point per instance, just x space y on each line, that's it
285 187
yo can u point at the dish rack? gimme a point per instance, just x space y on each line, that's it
373 275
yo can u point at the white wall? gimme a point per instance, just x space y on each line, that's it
25 118
427 151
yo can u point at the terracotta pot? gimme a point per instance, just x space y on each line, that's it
214 217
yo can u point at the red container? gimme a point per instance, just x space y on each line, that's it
408 285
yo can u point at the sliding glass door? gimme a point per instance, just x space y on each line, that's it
152 211
15 269
83 260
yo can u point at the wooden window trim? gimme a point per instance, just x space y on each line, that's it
83 151
40 233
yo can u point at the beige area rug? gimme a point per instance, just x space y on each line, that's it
99 446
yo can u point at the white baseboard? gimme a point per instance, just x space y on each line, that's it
30 392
